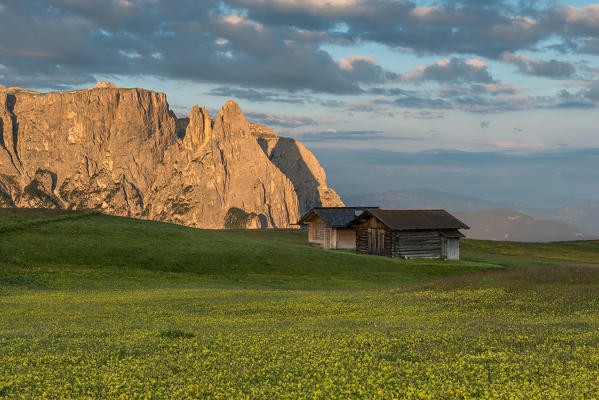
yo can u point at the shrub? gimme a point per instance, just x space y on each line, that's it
236 218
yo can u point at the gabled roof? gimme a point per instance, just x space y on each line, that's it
335 217
406 220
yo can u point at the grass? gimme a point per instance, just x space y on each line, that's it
94 250
104 307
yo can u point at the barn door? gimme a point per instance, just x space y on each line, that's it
327 239
453 249
372 241
376 241
380 242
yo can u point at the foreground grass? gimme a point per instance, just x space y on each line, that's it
160 311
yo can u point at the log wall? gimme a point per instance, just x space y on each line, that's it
374 238
418 244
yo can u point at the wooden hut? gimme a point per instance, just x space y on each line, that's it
328 226
409 233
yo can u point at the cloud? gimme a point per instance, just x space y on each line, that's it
420 101
333 135
453 70
280 120
588 45
495 98
257 96
486 28
585 16
387 91
496 89
81 39
365 69
585 98
490 89
548 69
509 145
270 45
424 114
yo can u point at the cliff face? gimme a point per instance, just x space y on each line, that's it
124 152
300 165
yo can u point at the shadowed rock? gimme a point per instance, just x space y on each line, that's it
300 165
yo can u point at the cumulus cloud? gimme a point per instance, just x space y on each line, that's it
553 69
333 135
451 70
496 88
584 98
80 39
269 45
254 95
496 98
365 69
586 16
490 89
279 120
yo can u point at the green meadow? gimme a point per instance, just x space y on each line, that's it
101 307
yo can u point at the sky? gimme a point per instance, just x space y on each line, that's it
494 99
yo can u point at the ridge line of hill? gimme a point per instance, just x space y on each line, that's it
71 215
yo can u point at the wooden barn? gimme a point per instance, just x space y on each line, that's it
328 226
409 233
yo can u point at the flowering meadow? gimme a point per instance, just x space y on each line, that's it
146 313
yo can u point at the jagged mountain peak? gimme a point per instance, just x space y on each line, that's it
230 121
124 152
199 128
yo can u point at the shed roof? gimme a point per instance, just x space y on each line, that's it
335 217
404 220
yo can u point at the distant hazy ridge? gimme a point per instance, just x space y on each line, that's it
496 220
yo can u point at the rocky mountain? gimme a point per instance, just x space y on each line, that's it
124 152
300 165
514 226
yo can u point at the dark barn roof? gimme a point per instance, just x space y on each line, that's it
335 217
405 220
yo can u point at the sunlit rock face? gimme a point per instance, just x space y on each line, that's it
124 152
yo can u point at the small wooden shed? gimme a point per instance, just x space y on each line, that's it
409 233
328 226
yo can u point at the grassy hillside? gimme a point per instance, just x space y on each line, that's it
104 307
99 250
